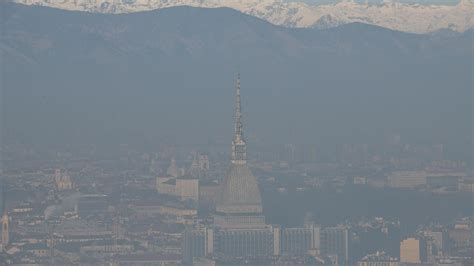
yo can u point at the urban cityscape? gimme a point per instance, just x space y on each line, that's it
173 207
247 197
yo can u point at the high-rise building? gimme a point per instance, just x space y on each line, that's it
298 241
434 243
196 243
250 243
335 242
411 250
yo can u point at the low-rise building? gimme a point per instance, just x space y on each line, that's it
378 259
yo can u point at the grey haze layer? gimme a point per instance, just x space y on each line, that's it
167 75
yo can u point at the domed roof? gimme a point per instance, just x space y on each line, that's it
239 193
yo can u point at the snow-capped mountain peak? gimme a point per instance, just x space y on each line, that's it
390 14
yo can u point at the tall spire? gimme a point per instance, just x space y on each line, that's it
238 112
239 150
239 193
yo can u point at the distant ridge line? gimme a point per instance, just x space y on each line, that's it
413 18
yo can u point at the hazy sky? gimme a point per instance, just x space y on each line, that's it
450 2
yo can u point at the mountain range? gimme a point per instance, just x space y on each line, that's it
167 76
416 18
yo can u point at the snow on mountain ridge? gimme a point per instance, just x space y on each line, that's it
397 16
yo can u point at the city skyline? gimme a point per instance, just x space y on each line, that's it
350 143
